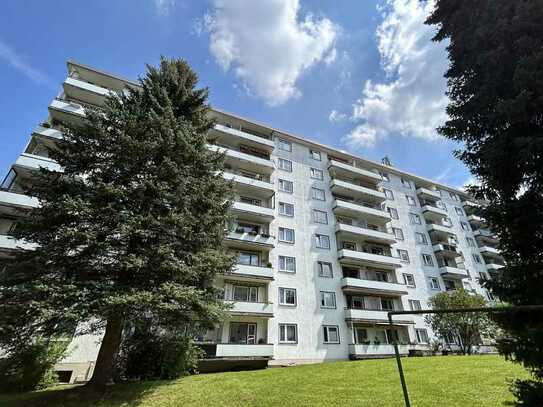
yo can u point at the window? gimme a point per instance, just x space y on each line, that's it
245 293
384 176
285 165
414 219
403 255
286 209
422 335
317 194
410 200
348 245
387 304
454 197
285 145
489 295
288 333
328 299
434 283
409 279
320 217
331 333
482 276
415 305
476 258
405 182
250 201
459 211
286 235
393 213
464 225
427 260
287 264
286 186
249 259
421 238
388 194
471 242
441 204
316 155
287 296
325 269
316 174
322 241
398 233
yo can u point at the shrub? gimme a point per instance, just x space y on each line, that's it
31 366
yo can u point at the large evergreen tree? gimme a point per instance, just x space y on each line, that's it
131 228
495 85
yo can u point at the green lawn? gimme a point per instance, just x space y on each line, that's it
433 381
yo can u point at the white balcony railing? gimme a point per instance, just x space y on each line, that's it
244 350
376 350
35 162
48 132
17 200
8 243
263 309
358 210
84 91
347 188
250 183
373 235
245 137
356 257
427 193
254 210
372 286
453 272
362 315
261 240
252 272
245 160
343 168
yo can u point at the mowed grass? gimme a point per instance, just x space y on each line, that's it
432 381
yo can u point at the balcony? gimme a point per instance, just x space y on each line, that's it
470 206
426 193
17 200
453 272
357 350
369 235
47 132
235 350
347 170
30 162
250 273
372 286
356 191
251 185
65 111
494 267
254 212
247 240
433 213
440 230
236 136
245 161
446 250
375 316
262 309
476 220
84 91
375 216
368 259
490 251
9 245
485 236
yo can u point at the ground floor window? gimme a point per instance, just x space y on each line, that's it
360 336
288 333
242 333
331 333
422 335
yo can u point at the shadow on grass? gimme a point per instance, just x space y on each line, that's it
125 394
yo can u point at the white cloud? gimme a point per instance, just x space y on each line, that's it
269 44
17 62
337 117
410 102
164 7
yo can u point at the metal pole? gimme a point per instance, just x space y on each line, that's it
399 362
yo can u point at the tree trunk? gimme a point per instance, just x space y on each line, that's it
105 368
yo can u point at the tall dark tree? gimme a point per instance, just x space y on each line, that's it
495 85
132 226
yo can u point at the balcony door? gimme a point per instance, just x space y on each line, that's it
242 333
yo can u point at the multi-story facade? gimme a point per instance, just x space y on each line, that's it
328 242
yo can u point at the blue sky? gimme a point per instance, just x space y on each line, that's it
359 75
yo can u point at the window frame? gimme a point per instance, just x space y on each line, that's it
282 142
286 205
322 300
394 230
326 335
313 197
285 182
427 260
418 332
317 240
402 259
319 212
313 171
405 279
392 211
435 287
415 219
284 326
389 194
281 161
312 154
416 308
424 238
320 268
285 262
284 231
282 296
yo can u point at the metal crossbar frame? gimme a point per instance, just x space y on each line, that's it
488 310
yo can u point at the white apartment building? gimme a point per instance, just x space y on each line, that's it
328 242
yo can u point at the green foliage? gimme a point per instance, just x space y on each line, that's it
466 328
496 91
31 367
134 224
151 353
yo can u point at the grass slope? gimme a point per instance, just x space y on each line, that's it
432 381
